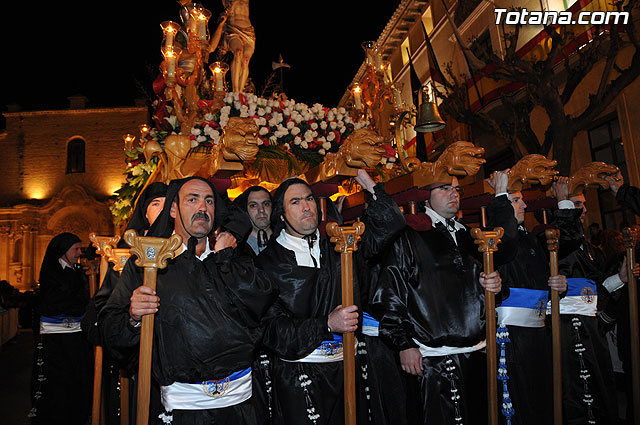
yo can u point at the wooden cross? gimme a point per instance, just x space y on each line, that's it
631 236
152 254
552 245
488 244
346 239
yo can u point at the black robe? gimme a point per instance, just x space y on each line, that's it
297 323
524 264
206 328
61 384
629 197
429 291
578 258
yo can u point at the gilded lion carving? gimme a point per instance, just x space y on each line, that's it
460 158
591 175
362 149
531 169
179 160
240 139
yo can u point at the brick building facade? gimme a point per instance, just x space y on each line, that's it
60 170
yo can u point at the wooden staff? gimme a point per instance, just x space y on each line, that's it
346 239
552 245
488 244
152 254
631 236
119 258
100 243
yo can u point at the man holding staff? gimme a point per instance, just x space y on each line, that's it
521 316
588 384
304 326
207 326
430 301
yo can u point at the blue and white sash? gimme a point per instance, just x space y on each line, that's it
581 298
229 391
524 307
370 325
327 352
60 324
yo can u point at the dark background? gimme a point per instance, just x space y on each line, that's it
110 51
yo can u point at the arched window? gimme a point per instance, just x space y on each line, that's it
75 156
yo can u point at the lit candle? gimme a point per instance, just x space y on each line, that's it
217 73
356 97
171 64
170 36
202 26
128 142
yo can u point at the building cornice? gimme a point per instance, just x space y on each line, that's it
75 111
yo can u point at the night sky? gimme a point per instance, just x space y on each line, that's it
110 51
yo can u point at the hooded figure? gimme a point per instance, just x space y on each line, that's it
61 370
139 220
300 328
114 361
260 235
208 311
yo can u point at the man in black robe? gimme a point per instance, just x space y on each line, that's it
61 387
430 301
628 197
256 201
304 326
207 327
524 346
148 207
588 386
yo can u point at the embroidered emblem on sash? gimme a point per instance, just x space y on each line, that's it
68 323
331 348
215 389
587 295
541 308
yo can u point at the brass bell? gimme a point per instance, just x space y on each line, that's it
429 118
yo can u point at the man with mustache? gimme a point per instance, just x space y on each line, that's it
207 326
304 326
429 302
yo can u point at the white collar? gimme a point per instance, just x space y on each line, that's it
300 248
202 256
64 264
437 218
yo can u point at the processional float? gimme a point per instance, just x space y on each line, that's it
194 96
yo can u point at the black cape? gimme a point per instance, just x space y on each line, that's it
528 354
297 323
578 258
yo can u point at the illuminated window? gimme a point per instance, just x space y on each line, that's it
75 156
406 51
427 20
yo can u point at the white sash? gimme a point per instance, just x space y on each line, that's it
446 350
207 395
